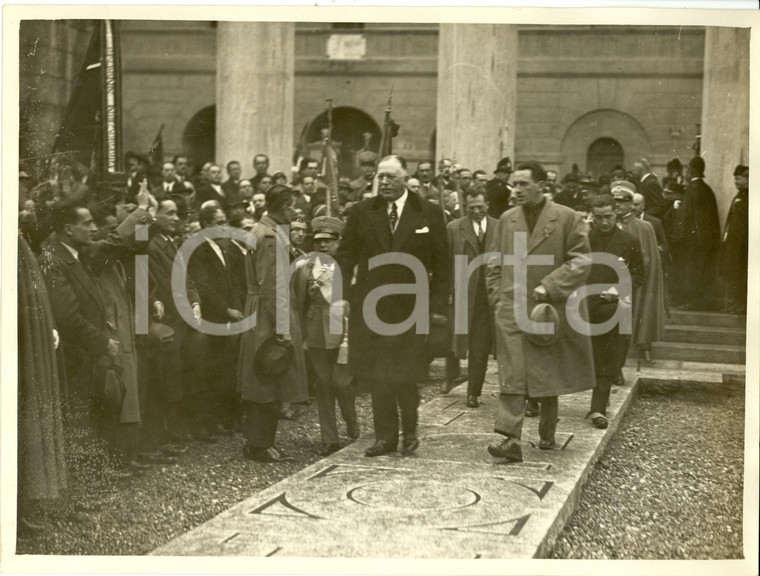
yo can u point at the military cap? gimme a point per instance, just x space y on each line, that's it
367 157
298 223
622 189
327 227
504 165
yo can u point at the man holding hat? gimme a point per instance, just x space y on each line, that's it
272 368
530 363
649 302
313 285
499 189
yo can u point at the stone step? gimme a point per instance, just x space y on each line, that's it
682 318
705 334
679 368
692 352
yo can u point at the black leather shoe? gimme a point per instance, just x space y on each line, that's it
546 444
472 401
328 449
411 444
379 448
531 409
353 430
509 449
271 454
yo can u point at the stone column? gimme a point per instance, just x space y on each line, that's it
254 93
725 110
477 94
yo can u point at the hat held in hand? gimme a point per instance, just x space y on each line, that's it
273 358
547 313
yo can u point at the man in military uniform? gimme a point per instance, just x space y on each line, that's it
313 286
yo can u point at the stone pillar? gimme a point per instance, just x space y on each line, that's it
725 110
254 93
477 94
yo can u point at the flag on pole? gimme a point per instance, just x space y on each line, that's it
390 131
156 151
91 129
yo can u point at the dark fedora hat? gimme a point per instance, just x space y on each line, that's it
273 358
438 341
544 312
160 336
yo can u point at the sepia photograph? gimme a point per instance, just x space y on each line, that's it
379 290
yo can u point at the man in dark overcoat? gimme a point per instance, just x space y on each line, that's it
388 332
702 226
468 236
735 245
611 347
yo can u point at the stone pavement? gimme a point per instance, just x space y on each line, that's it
450 499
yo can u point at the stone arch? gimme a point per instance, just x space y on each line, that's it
199 137
615 125
349 126
603 155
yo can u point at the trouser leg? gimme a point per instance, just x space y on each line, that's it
510 415
479 341
323 389
547 424
384 411
453 369
601 394
261 424
408 400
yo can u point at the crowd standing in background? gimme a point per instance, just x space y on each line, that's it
86 373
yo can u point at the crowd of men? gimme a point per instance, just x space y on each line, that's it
93 258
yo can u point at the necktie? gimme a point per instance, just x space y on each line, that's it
480 231
394 216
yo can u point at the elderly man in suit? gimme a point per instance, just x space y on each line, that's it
213 190
539 367
387 344
468 237
649 187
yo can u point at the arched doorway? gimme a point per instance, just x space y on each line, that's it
603 155
353 130
605 125
199 137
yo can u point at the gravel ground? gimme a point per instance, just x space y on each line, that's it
141 513
669 485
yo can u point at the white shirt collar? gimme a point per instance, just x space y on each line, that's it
74 251
483 225
399 202
217 249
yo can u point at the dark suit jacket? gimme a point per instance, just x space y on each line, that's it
420 233
78 307
463 241
498 197
659 231
161 254
214 282
651 190
207 192
700 213
231 187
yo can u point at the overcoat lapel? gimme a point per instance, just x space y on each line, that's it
544 226
79 274
379 218
468 233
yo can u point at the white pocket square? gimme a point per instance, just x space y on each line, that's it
424 230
